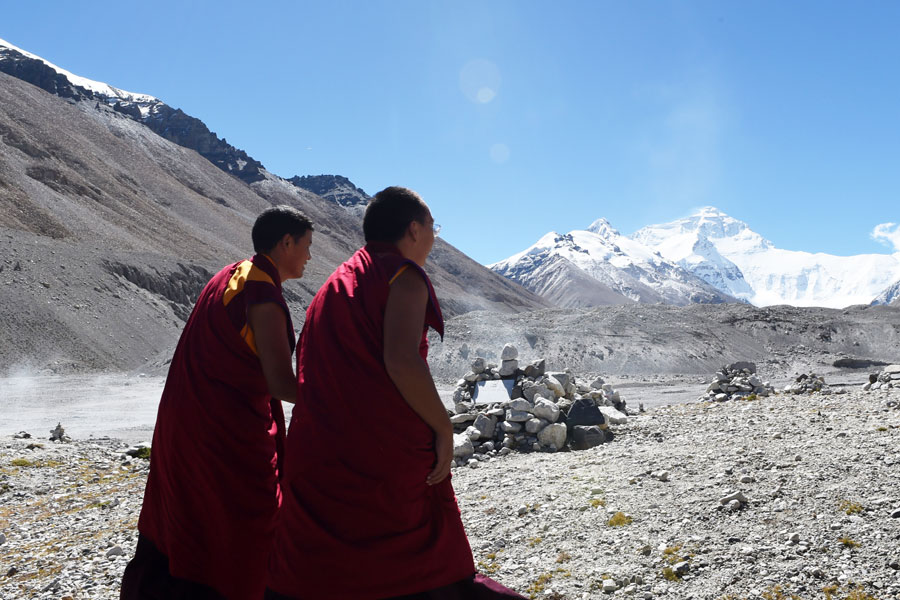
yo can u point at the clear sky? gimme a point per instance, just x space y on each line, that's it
514 118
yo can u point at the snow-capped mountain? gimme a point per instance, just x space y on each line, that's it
97 87
890 295
600 266
726 253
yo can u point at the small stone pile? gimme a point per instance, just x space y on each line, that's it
542 411
888 378
807 384
735 381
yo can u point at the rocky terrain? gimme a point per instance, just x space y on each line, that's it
641 341
787 496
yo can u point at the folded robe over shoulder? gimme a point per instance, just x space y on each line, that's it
213 494
358 520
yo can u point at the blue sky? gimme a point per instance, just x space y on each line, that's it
514 118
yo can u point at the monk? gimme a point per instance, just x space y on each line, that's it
206 526
369 511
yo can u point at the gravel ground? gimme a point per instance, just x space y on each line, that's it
640 517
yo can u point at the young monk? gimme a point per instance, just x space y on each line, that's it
368 510
206 526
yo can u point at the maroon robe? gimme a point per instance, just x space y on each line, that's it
213 493
358 520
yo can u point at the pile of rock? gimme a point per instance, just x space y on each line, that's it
888 378
735 381
499 409
807 384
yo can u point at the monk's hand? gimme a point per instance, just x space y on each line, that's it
443 450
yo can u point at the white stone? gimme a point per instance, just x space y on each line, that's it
485 425
478 365
509 367
509 352
553 435
462 446
545 409
613 416
733 496
532 391
597 383
518 416
511 427
535 425
555 386
472 433
520 404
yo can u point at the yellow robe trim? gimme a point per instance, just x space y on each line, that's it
245 272
400 270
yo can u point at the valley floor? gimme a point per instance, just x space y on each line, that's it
640 517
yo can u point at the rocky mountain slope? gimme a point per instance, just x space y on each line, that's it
890 295
108 231
726 253
641 339
600 266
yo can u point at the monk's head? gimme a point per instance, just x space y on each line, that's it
399 216
284 234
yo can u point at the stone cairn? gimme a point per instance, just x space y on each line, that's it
807 384
734 382
543 412
888 378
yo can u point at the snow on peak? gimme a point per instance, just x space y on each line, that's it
98 87
602 227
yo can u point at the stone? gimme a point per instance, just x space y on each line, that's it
518 416
535 425
472 433
733 505
613 416
2 539
58 434
533 391
562 377
609 586
544 409
509 367
660 475
585 412
463 407
462 446
115 551
746 479
463 418
587 436
891 369
509 352
485 425
895 514
523 405
555 386
553 435
536 368
511 427
597 383
22 435
682 567
478 365
739 496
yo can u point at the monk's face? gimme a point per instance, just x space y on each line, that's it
424 239
297 254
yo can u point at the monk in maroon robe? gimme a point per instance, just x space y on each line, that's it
369 511
206 526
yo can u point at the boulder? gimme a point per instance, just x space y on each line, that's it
585 412
531 391
562 377
518 416
478 365
485 425
555 386
553 435
536 368
462 446
521 404
613 416
547 410
509 352
535 425
509 367
584 437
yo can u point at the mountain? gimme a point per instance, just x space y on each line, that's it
726 253
890 295
600 266
108 230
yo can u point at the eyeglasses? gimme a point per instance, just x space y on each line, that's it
436 229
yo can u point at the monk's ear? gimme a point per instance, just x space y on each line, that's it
414 229
286 241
